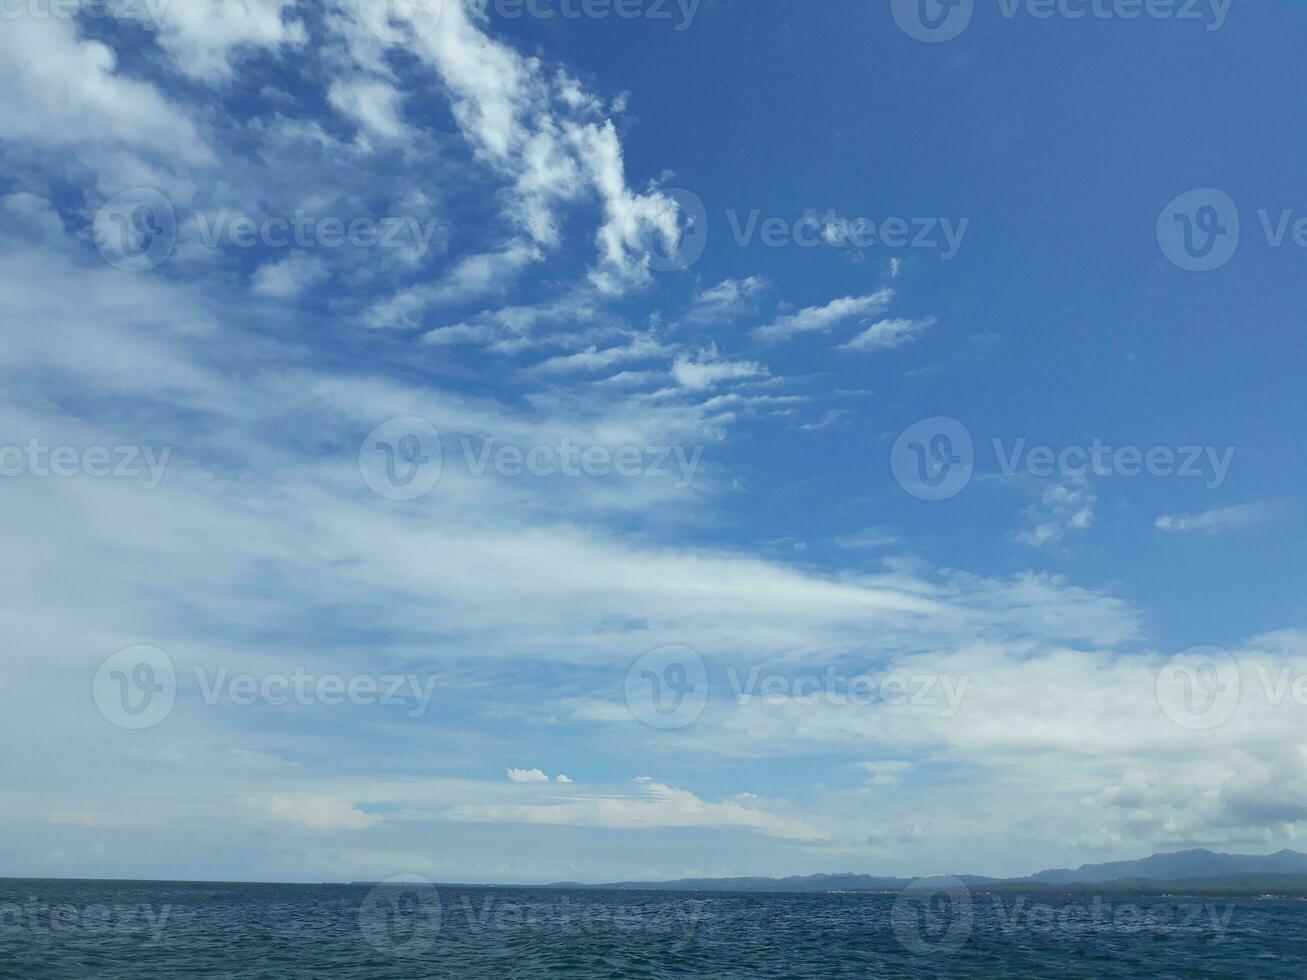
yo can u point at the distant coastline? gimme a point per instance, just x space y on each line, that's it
1181 874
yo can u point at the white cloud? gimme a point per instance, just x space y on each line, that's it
318 812
548 138
889 334
37 212
868 537
289 277
726 301
1220 520
651 805
705 369
471 278
375 104
512 328
63 91
595 359
203 36
1062 507
527 776
821 318
888 773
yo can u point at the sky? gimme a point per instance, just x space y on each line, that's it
524 442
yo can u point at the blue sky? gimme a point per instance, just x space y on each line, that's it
743 256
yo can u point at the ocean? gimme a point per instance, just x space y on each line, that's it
57 930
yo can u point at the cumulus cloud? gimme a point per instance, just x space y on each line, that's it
374 104
205 36
289 277
527 776
889 773
65 91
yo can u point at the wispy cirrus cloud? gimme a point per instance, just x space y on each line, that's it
1220 520
728 300
822 318
889 334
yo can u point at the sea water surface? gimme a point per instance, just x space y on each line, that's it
52 930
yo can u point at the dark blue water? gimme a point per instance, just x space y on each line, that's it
120 930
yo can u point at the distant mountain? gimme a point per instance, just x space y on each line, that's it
805 883
1182 865
1200 869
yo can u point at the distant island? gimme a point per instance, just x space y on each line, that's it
1197 871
